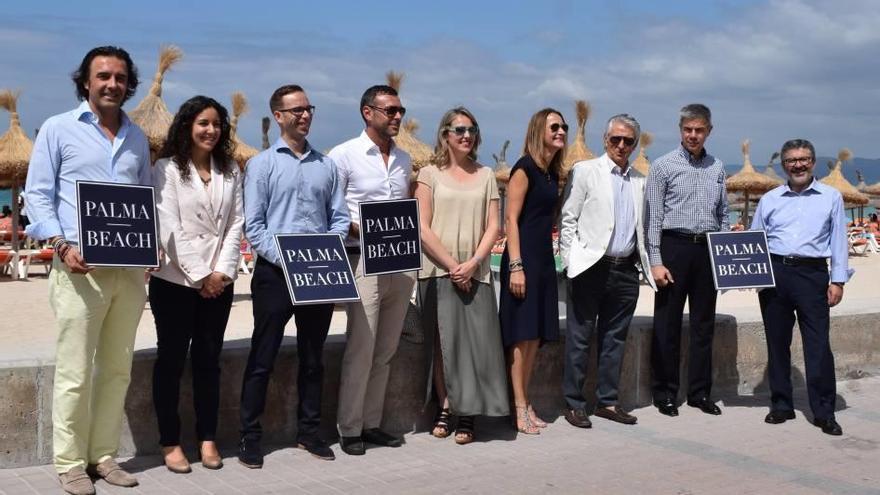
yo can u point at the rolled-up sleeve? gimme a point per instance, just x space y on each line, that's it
41 187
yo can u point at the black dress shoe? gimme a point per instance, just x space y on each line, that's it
666 407
777 417
616 414
249 453
578 418
706 405
379 437
316 447
829 426
352 445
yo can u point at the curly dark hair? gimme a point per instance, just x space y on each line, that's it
81 76
178 144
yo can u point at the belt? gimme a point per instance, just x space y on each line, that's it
619 260
694 238
799 261
353 249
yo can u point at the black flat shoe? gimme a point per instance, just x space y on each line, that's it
667 407
352 445
317 447
778 417
577 418
829 426
249 453
379 437
706 405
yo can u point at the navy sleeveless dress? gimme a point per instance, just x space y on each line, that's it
537 315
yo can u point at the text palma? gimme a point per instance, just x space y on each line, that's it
388 224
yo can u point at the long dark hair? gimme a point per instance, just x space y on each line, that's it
179 142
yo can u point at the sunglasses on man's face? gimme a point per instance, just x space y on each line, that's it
554 127
615 140
390 112
461 130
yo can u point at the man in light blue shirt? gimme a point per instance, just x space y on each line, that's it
805 225
290 188
98 309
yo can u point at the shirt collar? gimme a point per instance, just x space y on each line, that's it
84 111
687 154
281 146
368 145
615 168
812 187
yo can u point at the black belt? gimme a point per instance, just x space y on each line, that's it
694 238
797 260
620 260
353 249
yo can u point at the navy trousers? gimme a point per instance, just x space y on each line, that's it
801 292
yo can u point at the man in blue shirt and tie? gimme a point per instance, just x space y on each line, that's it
289 188
805 225
97 308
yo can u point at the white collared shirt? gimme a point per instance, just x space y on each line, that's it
364 176
623 237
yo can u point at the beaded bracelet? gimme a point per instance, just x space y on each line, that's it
515 269
516 263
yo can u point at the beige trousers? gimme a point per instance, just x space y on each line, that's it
372 335
97 315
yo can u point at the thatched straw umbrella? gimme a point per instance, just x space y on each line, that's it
421 153
872 190
578 150
151 114
265 128
641 162
835 179
502 176
241 151
749 181
770 170
15 154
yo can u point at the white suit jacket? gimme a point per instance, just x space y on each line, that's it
199 234
588 216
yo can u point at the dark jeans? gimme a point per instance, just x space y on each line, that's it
602 298
272 310
187 323
800 291
690 266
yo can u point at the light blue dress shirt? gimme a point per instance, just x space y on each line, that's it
809 224
284 194
69 147
623 237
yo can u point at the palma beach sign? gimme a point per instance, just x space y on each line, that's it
740 260
316 268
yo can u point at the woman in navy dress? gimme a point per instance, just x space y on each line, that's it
528 309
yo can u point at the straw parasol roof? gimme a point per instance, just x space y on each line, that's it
872 190
241 151
835 179
151 114
265 129
578 150
15 147
420 152
502 168
641 162
770 171
748 180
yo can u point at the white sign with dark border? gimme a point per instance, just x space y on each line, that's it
740 260
117 224
316 268
390 236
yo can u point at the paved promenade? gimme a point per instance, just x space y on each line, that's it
736 453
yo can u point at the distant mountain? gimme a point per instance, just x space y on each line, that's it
870 168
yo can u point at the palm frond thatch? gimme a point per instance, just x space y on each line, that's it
578 150
15 146
241 151
641 163
748 180
420 153
151 114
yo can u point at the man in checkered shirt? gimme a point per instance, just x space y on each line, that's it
685 199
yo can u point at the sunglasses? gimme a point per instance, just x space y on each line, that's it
554 127
298 111
461 130
390 112
615 140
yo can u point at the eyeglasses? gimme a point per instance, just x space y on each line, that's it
298 111
801 160
554 127
462 129
390 112
615 140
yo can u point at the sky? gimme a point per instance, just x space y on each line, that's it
770 70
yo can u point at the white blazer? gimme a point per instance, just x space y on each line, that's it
199 234
588 216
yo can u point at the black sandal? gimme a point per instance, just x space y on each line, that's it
441 423
464 434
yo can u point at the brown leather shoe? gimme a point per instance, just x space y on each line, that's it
77 482
616 414
112 473
578 418
212 459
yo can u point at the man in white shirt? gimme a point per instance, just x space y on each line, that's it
371 168
602 241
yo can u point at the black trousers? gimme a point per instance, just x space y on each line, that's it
272 310
601 299
800 291
187 323
689 263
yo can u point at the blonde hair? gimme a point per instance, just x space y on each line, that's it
441 149
534 142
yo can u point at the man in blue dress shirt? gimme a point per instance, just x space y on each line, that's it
289 188
805 225
97 309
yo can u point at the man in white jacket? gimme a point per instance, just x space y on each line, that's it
603 248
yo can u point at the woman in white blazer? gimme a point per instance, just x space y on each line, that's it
199 203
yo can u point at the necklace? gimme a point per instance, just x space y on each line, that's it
205 181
